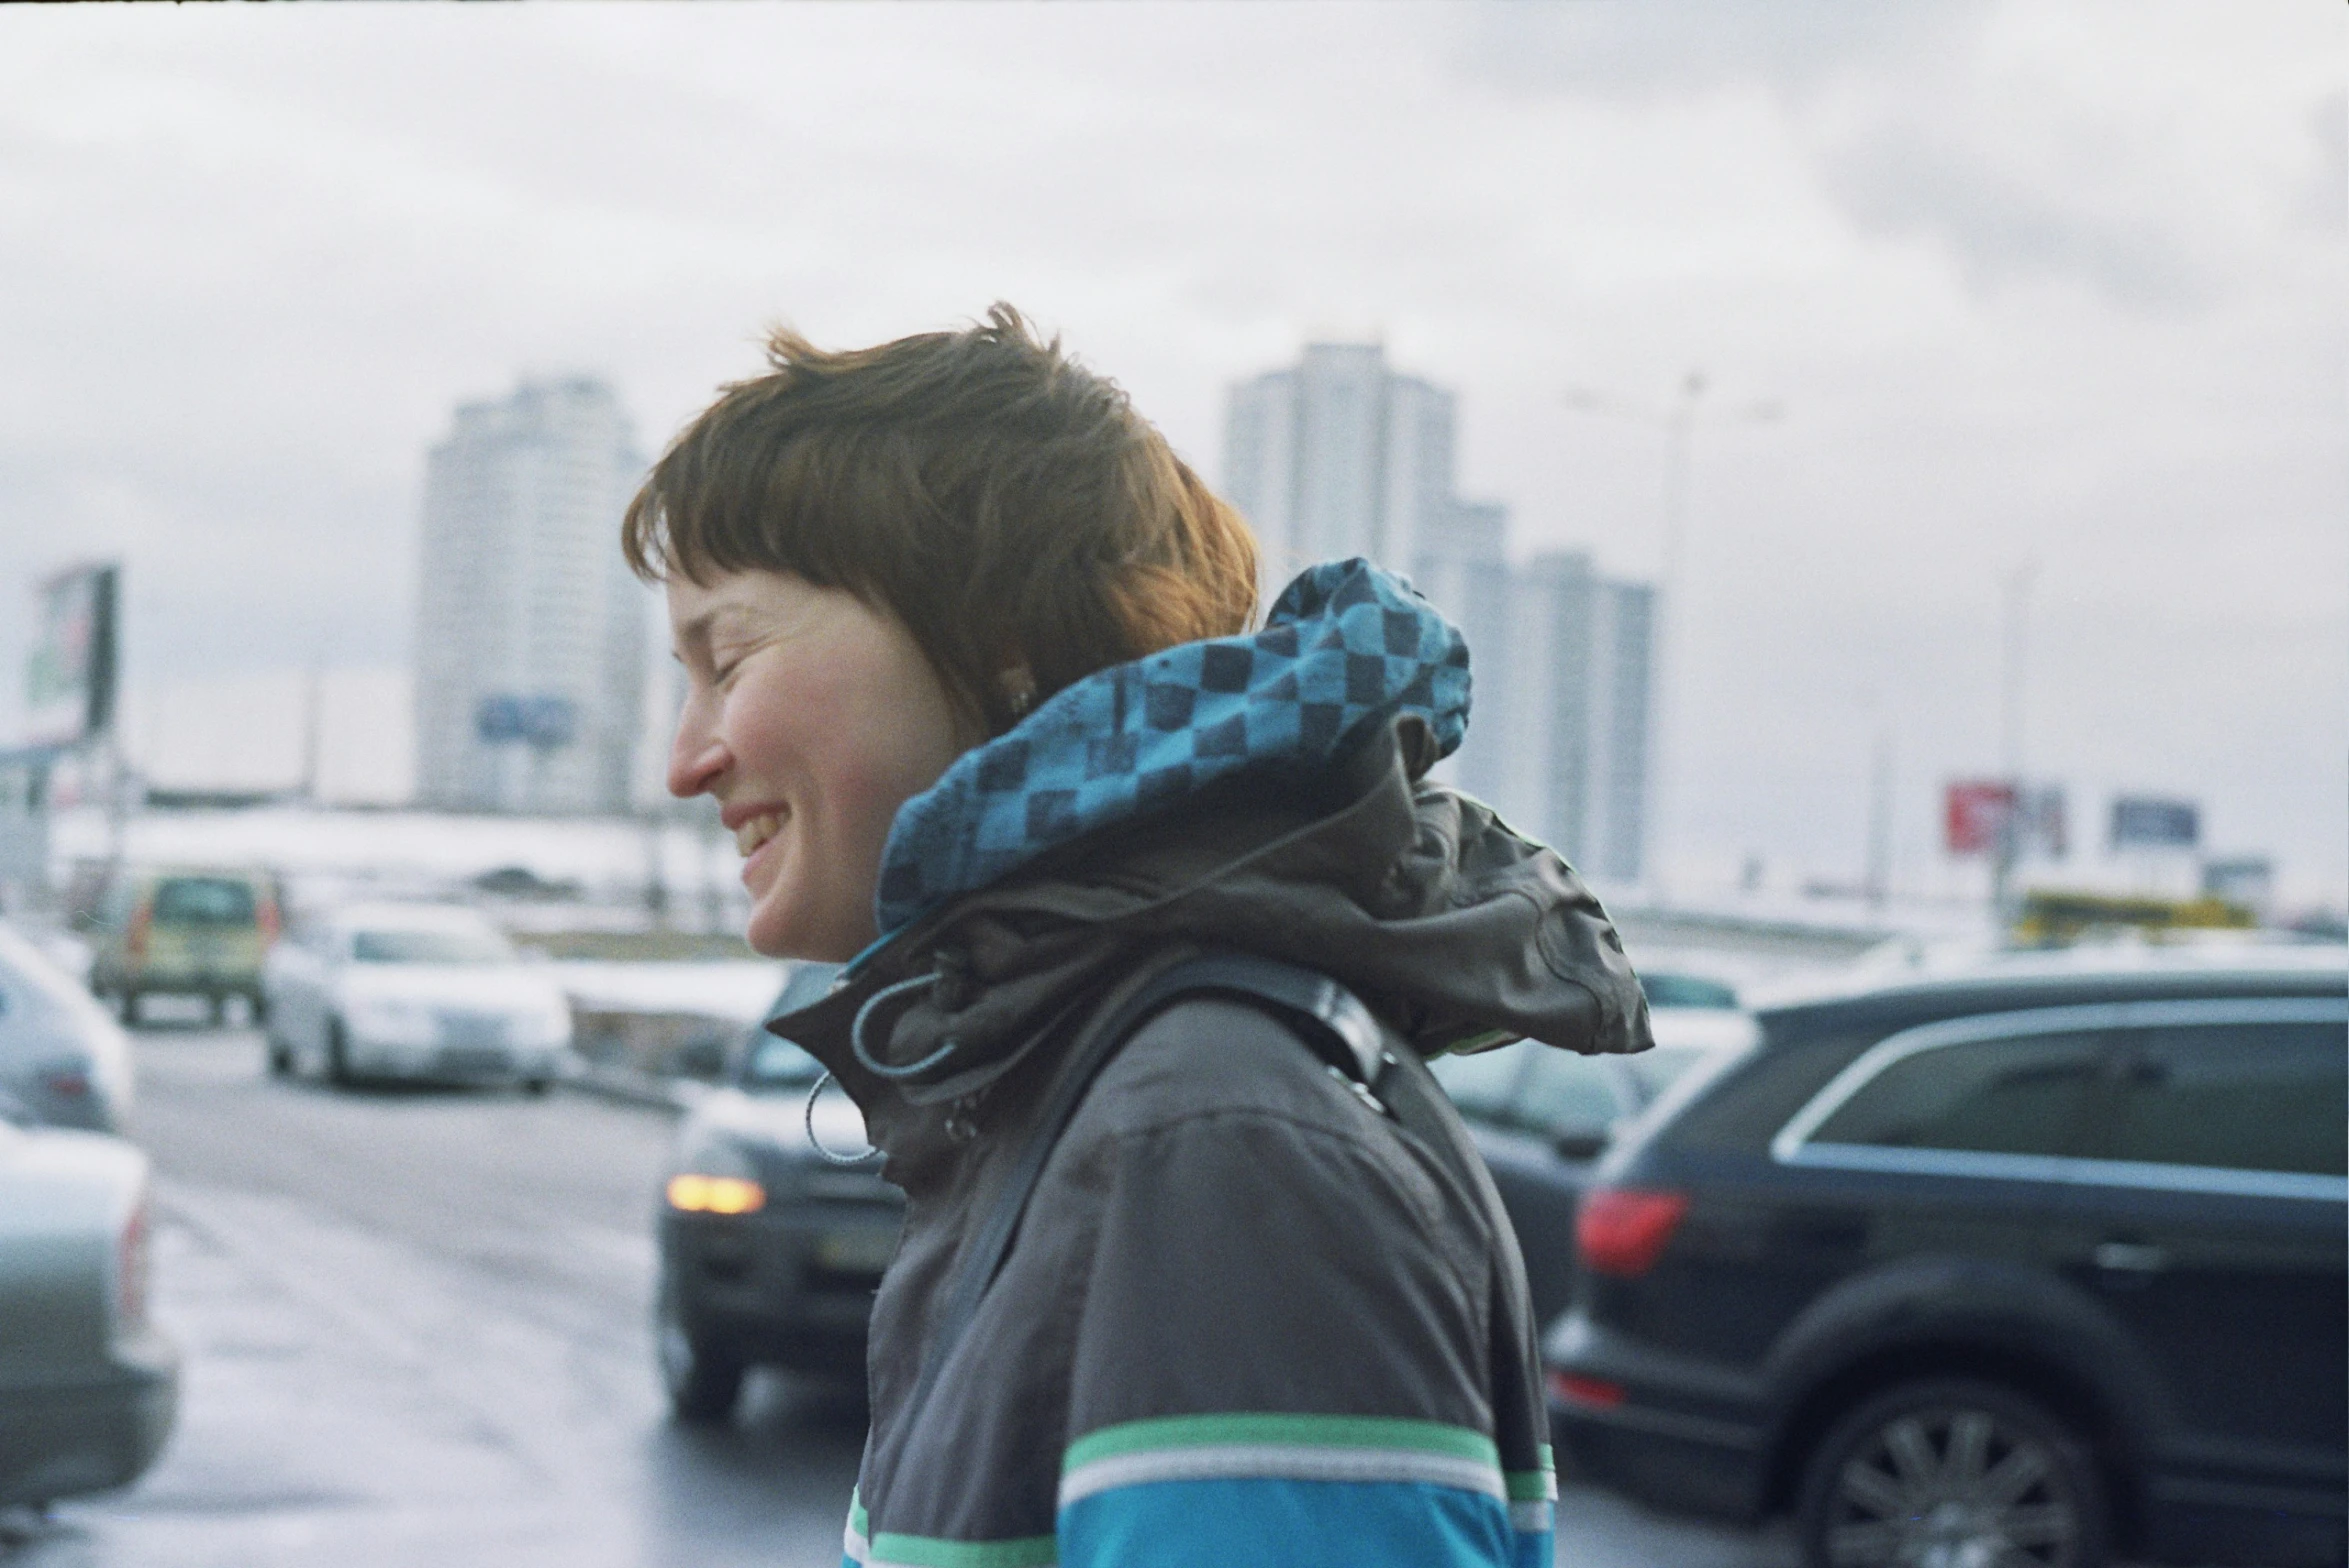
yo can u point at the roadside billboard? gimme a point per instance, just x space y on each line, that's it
70 679
1974 816
1995 816
2154 822
544 721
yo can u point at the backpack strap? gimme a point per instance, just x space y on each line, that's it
1330 1019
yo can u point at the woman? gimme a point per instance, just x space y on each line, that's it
972 680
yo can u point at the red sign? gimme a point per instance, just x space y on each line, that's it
1974 816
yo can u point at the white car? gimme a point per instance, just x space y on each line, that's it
63 1061
426 991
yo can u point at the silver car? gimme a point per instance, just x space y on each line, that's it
88 1387
63 1060
425 991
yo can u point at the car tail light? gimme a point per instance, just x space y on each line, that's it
1622 1231
265 917
67 1083
130 1272
142 921
1572 1388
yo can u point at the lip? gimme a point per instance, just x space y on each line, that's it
759 858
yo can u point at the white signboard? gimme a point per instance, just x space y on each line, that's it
69 684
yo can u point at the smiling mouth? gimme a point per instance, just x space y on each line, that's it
749 836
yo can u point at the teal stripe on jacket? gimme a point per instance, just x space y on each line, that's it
1260 1522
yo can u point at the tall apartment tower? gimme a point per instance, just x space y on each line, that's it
1577 702
531 633
1341 456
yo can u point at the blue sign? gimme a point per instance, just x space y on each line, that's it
498 719
545 722
2141 820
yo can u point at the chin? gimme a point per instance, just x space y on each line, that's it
773 933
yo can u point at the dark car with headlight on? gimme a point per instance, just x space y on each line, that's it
769 1252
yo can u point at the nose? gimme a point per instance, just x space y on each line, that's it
696 756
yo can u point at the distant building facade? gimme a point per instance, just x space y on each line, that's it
1339 455
531 634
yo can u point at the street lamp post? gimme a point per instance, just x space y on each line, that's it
1678 421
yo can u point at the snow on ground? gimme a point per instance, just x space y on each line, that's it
740 990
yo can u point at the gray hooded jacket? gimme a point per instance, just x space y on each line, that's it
1247 1319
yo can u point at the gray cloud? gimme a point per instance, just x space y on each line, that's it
2325 200
2001 229
1639 50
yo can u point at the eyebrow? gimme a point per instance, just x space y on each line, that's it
697 630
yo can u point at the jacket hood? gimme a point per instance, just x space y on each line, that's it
1320 842
1346 647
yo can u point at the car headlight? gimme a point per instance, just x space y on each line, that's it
698 1194
715 1177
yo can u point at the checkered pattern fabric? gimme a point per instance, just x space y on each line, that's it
1345 646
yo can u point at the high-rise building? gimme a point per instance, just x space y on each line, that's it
1576 703
530 631
1464 571
1340 456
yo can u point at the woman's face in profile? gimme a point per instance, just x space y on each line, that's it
810 717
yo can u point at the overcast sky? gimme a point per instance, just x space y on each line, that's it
2033 282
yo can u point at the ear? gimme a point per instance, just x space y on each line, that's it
1018 684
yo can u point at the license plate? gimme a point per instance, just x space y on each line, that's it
472 1030
856 1251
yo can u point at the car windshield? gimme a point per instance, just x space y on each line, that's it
1480 1084
431 947
1671 990
1656 1067
778 1064
203 901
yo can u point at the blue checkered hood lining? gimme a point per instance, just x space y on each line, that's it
1345 646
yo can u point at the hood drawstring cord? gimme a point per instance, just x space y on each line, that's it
879 1068
809 1117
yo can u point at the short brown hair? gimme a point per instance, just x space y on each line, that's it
1003 501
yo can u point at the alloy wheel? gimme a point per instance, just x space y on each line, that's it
1953 1477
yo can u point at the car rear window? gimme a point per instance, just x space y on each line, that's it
2023 1095
2250 1097
203 901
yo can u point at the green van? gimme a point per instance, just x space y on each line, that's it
188 930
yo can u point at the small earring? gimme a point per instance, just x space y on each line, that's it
1019 689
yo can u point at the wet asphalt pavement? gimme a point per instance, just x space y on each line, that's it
414 1325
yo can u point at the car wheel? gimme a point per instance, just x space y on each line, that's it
338 1056
127 1005
281 1056
534 1087
1952 1473
703 1379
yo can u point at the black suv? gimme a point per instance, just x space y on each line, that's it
2021 1268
